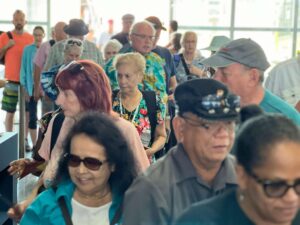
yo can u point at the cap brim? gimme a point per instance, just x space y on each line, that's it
217 61
210 48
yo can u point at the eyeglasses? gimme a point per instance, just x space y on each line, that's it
74 42
89 162
212 103
211 126
144 37
276 189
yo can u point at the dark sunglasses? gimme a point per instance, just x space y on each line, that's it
276 189
74 42
89 162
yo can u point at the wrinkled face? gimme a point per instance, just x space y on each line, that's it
205 141
38 35
69 102
282 164
143 38
128 77
109 52
89 182
235 77
19 21
190 43
72 54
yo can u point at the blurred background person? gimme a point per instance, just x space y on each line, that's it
188 61
175 44
134 105
268 174
110 49
96 169
26 80
106 35
123 36
173 27
284 80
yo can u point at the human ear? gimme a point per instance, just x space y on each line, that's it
241 176
178 127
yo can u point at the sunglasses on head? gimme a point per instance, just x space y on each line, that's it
88 162
276 189
74 42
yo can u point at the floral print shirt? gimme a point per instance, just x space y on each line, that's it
139 117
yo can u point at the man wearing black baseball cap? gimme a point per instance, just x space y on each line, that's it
241 65
199 167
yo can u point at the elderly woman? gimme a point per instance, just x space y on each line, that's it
268 173
83 86
96 169
111 48
144 109
188 62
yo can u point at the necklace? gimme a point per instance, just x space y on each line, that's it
133 113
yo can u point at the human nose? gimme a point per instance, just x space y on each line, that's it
81 168
291 196
59 99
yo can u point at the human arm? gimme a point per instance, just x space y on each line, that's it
37 79
160 137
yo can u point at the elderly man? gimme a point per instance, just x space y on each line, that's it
199 167
76 29
142 36
240 65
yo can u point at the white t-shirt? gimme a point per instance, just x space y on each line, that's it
90 215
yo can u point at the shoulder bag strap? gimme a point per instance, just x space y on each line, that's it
117 216
63 206
186 69
57 124
9 34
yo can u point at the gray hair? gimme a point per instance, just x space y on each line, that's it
137 24
115 44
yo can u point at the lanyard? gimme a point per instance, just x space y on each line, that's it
135 112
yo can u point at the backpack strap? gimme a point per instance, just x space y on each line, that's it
57 123
9 34
150 99
186 69
52 42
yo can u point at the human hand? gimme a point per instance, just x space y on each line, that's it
16 212
10 43
18 166
195 70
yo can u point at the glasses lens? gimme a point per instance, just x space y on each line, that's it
92 164
276 189
74 160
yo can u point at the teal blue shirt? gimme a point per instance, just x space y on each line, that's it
26 71
273 104
46 211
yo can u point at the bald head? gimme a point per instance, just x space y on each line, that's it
59 31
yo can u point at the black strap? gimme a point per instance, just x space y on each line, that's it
63 206
9 34
57 124
186 69
117 216
150 99
52 42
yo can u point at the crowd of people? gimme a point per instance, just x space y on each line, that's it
146 134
